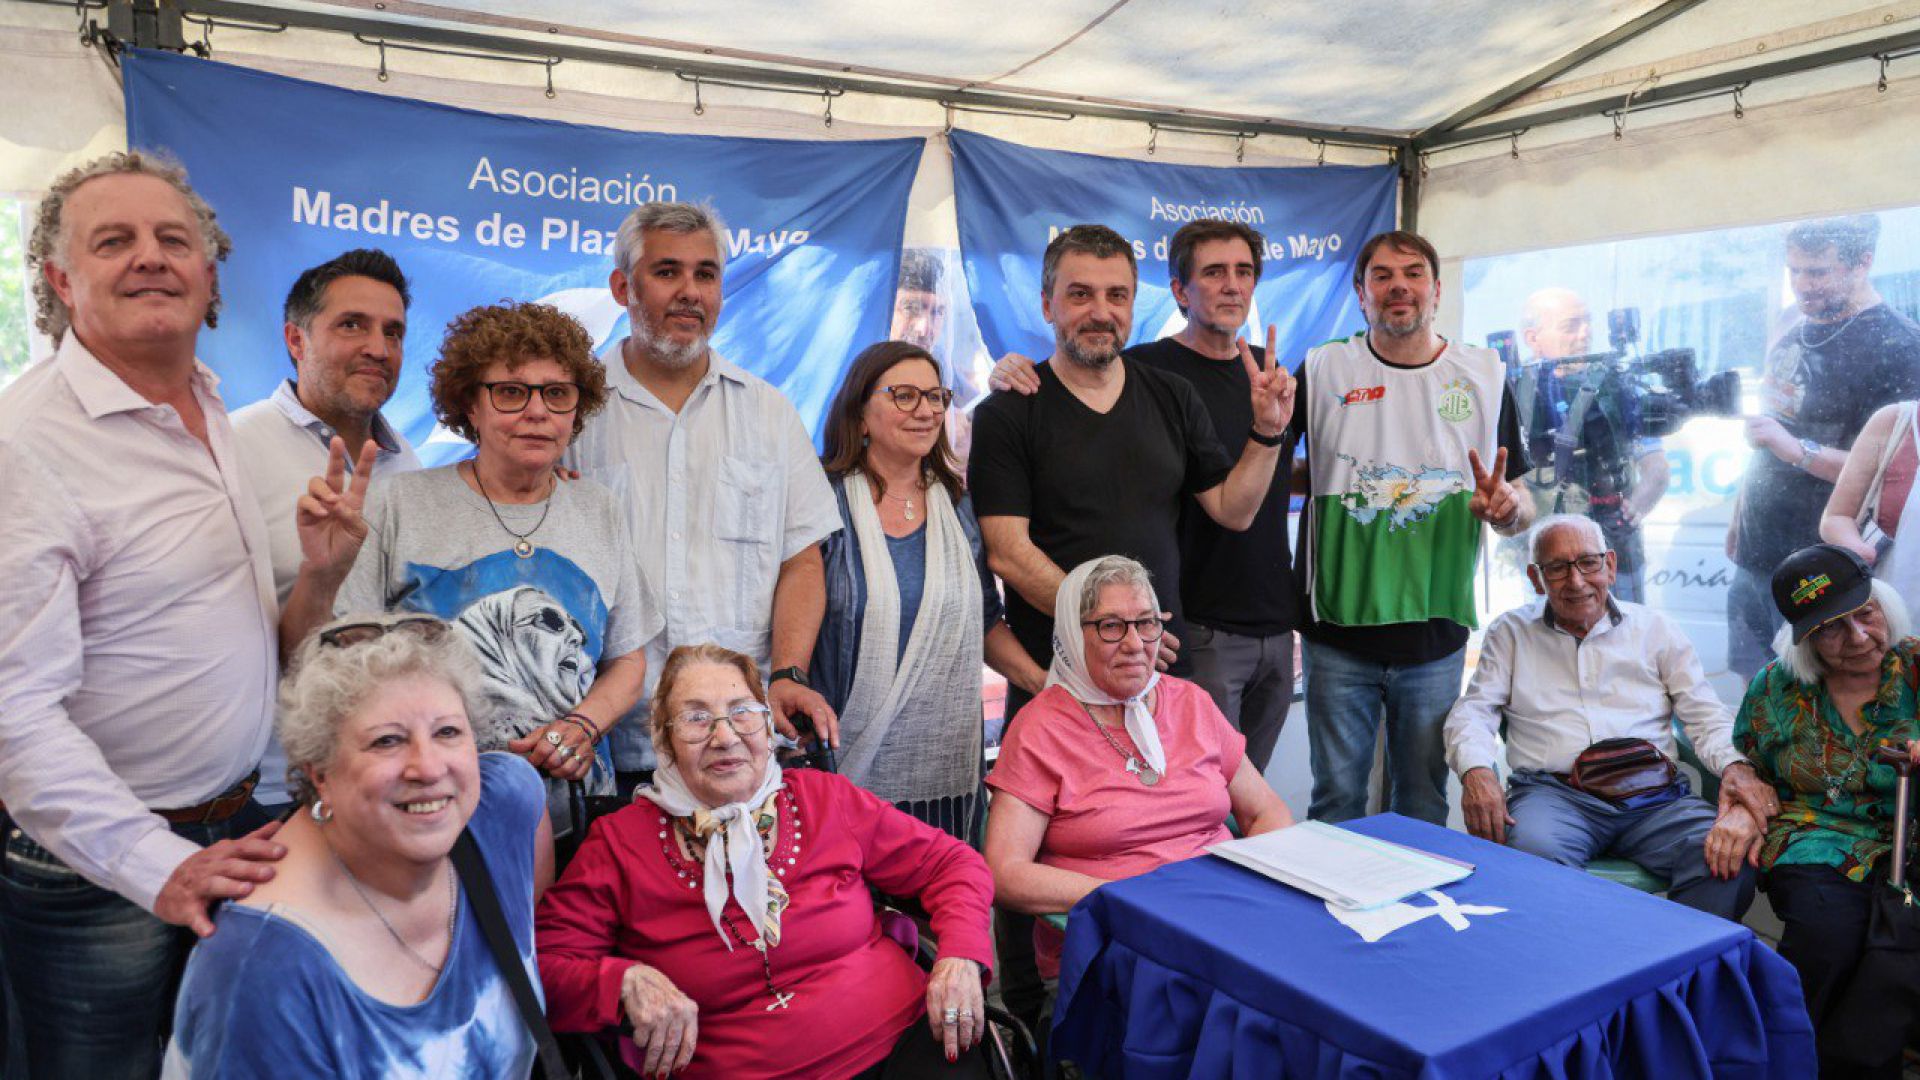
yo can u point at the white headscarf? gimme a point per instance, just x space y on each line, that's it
1069 669
735 847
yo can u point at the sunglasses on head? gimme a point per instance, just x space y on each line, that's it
347 635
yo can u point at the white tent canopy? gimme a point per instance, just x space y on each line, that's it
1378 72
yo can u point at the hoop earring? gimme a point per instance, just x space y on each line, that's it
319 812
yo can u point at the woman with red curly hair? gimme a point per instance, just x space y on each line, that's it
538 573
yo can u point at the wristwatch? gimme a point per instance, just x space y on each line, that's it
793 673
1808 451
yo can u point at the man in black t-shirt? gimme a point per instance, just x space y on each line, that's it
1102 458
1824 377
1099 462
1236 587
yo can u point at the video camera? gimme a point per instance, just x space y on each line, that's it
1662 390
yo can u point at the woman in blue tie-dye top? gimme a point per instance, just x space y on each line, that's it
360 958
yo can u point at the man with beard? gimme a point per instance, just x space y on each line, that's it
1412 442
1100 460
725 491
1849 355
1236 587
346 323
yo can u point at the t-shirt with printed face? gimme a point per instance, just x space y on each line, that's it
1092 484
1822 382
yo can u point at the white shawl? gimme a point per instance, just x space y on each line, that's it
736 847
1069 670
911 729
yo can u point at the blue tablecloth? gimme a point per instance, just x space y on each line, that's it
1207 969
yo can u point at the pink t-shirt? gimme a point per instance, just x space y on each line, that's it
1104 822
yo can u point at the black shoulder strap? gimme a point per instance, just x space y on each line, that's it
493 925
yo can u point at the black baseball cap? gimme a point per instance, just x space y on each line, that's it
1818 584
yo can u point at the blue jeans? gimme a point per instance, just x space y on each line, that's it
1752 621
1346 695
92 974
1573 828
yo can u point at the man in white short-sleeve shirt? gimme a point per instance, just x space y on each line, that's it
346 323
724 488
138 653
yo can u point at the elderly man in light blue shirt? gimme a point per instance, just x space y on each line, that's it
1578 668
723 486
346 327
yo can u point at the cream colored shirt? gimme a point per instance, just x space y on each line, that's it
138 656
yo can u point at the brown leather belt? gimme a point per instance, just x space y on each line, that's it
214 810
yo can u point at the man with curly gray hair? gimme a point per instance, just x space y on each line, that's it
137 669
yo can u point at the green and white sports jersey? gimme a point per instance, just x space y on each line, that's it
1392 538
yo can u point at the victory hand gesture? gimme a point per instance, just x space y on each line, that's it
328 515
1272 389
1494 501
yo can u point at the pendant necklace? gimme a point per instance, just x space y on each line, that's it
522 546
453 908
1146 773
780 997
908 499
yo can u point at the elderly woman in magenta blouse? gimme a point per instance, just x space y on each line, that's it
727 914
1115 769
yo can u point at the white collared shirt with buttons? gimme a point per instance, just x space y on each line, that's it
719 495
283 446
1560 694
138 655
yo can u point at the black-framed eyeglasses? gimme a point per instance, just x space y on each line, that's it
350 634
511 397
907 398
1113 629
1588 565
747 718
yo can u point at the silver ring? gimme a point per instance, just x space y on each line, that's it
553 738
966 1014
950 1017
563 753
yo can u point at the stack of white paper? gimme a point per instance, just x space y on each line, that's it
1343 868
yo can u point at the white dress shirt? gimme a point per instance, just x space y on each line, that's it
719 494
283 446
1560 694
137 647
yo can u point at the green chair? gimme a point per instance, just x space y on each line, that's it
1632 874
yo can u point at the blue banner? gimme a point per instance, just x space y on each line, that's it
478 207
1013 199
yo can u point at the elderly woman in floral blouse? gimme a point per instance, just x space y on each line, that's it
1843 686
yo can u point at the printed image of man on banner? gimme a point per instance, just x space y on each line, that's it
481 207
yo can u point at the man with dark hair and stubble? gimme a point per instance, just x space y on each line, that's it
1236 587
1848 355
1101 461
1413 441
345 328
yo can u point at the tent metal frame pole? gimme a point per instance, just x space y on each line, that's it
1607 42
815 82
1671 93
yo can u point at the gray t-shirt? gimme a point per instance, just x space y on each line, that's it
541 624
